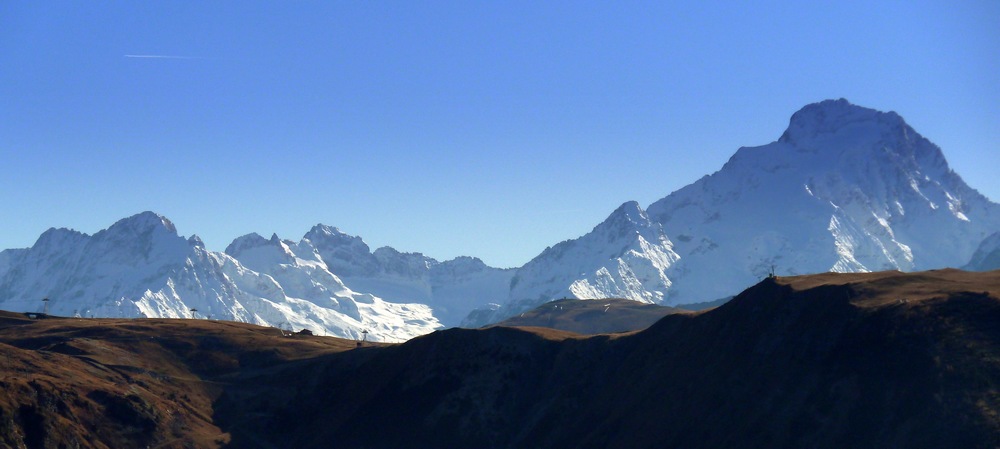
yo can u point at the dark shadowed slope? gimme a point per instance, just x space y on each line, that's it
860 360
597 316
865 360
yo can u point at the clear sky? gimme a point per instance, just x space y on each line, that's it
491 129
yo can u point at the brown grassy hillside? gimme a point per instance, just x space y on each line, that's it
860 360
876 360
106 383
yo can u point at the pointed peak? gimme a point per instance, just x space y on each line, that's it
260 254
323 229
628 220
322 233
196 241
143 221
831 115
239 244
630 208
629 211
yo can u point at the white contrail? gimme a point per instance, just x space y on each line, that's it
161 57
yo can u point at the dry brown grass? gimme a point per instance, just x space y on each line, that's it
825 361
894 287
130 383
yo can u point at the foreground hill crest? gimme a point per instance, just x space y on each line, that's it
860 360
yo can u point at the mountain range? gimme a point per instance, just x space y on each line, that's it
843 189
140 267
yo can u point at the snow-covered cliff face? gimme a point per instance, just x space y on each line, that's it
626 256
845 188
452 288
8 257
987 256
328 282
344 254
140 267
77 271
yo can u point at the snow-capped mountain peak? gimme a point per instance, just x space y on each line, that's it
141 223
452 288
831 116
344 254
848 134
629 217
845 188
244 243
331 235
626 256
260 254
196 241
140 267
142 239
55 239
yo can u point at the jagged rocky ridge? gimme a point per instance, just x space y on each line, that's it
451 288
845 188
140 267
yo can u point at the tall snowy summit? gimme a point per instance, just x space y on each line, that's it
844 189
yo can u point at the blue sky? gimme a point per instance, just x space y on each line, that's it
491 129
